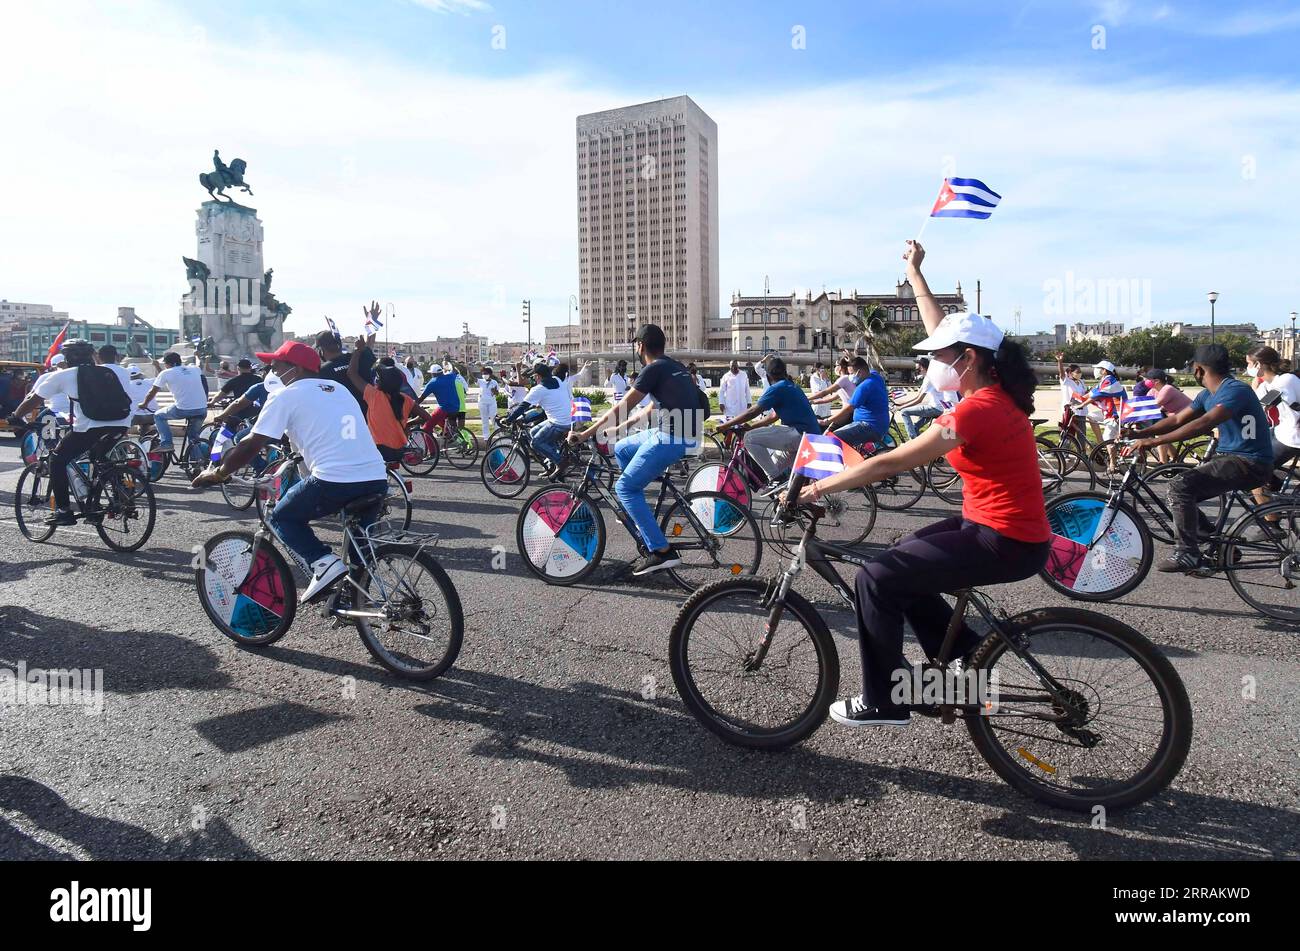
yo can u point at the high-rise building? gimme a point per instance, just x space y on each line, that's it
647 223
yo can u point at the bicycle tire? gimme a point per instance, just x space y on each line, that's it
900 492
1080 566
455 618
944 481
34 502
421 454
1170 753
730 729
716 477
723 518
1235 555
462 449
397 497
560 535
252 603
506 470
127 492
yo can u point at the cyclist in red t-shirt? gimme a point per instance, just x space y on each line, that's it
1002 534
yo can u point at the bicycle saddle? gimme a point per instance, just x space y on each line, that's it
364 504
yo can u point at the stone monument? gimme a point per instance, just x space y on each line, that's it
229 311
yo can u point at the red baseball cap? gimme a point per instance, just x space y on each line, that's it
299 354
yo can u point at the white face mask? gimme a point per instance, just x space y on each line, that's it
1253 372
943 376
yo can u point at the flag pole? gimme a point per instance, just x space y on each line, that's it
917 239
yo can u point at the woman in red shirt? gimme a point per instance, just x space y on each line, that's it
1002 534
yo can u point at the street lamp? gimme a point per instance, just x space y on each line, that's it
573 303
1291 355
528 319
1214 296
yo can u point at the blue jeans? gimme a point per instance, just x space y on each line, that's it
312 499
194 422
910 416
546 440
643 457
856 434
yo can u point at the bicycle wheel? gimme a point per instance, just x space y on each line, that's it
944 480
505 470
711 650
34 503
269 496
129 454
197 456
252 600
125 509
397 508
462 449
900 492
420 457
420 635
1100 551
1194 451
849 519
731 546
715 477
1064 470
1262 559
1120 736
1109 464
159 461
560 534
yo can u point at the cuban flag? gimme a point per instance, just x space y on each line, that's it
820 456
581 409
332 327
897 394
965 198
1141 409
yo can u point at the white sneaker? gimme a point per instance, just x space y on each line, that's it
324 573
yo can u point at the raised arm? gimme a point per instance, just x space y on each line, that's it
931 312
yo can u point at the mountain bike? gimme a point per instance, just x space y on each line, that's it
192 454
849 518
1103 545
117 499
401 601
507 464
1086 711
561 533
451 440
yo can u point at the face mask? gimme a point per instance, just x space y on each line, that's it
943 376
1096 373
1253 372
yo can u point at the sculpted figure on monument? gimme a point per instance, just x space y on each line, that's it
273 312
224 176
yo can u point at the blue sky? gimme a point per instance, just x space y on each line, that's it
396 154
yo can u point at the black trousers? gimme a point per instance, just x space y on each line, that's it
73 446
907 583
1216 476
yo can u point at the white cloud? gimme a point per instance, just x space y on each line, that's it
463 7
454 196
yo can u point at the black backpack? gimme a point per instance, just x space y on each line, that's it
100 395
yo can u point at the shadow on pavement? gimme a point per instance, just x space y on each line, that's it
100 837
248 729
609 739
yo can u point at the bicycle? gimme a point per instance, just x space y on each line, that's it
458 445
755 663
1060 469
1104 548
561 534
506 468
283 471
415 630
739 477
192 455
116 499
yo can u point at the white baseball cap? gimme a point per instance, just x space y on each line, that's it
973 329
1105 365
134 370
57 359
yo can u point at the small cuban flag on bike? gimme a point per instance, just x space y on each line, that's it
965 198
820 456
1141 409
581 409
219 444
897 394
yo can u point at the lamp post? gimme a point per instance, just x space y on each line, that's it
573 303
1291 355
1214 296
528 319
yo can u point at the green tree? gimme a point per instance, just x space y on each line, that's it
1237 346
1084 352
900 342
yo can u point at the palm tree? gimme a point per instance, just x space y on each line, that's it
874 332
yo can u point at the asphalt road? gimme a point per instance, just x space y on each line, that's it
558 734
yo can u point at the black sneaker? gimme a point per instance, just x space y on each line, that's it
854 712
61 517
1182 562
656 561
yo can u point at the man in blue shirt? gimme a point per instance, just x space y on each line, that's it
1244 459
446 388
774 441
869 408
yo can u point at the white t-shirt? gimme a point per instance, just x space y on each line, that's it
487 391
185 385
1287 429
619 384
557 402
931 398
818 382
323 422
416 378
138 388
847 384
64 383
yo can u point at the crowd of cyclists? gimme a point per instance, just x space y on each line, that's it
350 415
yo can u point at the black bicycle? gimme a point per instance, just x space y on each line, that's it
116 498
1104 543
1083 711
